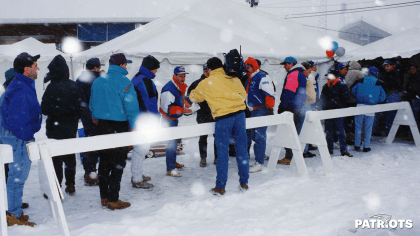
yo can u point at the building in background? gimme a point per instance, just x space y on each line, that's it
362 33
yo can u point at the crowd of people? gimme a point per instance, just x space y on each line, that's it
226 93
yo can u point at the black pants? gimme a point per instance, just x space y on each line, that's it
112 161
202 142
69 170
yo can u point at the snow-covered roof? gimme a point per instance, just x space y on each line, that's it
86 11
210 27
404 44
32 46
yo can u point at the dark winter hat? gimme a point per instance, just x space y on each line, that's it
94 62
333 72
151 63
214 63
24 60
205 67
373 71
289 60
180 70
312 63
340 66
306 65
118 59
9 74
387 62
58 69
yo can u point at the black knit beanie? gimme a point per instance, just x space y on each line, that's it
151 63
214 63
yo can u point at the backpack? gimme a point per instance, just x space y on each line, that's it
233 63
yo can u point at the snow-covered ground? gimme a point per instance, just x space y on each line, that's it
386 180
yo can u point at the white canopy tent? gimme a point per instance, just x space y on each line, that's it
210 28
34 47
404 44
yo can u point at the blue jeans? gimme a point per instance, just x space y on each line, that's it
358 121
18 172
259 136
336 125
171 146
232 126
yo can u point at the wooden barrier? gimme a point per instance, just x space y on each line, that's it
313 133
44 151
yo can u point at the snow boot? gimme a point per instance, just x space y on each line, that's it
23 217
346 154
366 149
70 189
312 148
104 202
257 167
203 162
145 178
243 188
308 154
284 161
179 166
357 149
217 191
142 184
13 220
91 179
24 205
173 173
118 205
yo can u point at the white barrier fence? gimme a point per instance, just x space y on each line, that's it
44 152
313 133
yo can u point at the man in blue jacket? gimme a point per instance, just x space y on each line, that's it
85 81
172 107
260 100
115 109
367 91
21 119
147 96
293 98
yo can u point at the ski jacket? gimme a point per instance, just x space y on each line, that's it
225 95
204 110
368 91
393 82
147 94
63 102
260 91
172 100
412 85
293 95
354 73
334 95
21 112
85 82
313 77
113 97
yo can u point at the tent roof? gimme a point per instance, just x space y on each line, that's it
33 47
91 11
210 27
404 44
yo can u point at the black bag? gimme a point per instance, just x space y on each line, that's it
233 63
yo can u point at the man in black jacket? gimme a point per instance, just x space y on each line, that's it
63 102
335 95
85 80
203 116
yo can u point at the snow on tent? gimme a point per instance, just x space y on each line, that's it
32 46
404 44
209 28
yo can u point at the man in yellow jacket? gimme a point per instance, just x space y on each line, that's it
225 96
